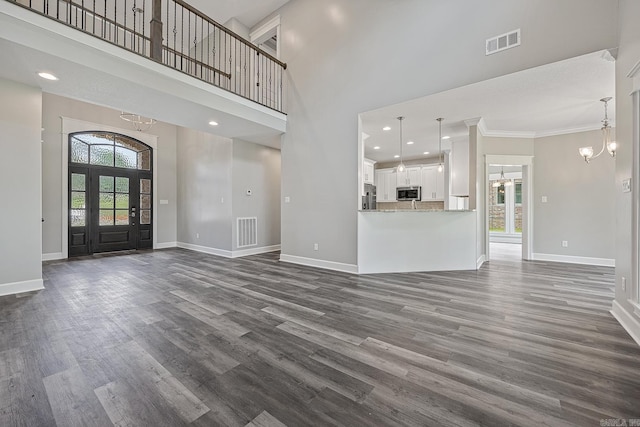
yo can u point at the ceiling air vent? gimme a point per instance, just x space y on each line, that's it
503 42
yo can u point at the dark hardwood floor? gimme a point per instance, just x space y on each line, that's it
173 337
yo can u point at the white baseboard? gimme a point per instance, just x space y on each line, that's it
254 251
605 262
166 245
480 261
228 254
205 249
627 320
319 263
20 287
52 256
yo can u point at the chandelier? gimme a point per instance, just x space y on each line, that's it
502 180
140 123
611 146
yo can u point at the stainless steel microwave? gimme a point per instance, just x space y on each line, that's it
409 193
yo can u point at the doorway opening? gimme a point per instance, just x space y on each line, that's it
505 204
509 207
110 193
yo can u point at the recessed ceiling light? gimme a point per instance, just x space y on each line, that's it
446 137
386 128
397 156
376 148
212 123
426 152
47 76
410 142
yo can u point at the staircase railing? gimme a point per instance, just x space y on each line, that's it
177 35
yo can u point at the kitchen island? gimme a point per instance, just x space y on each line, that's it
406 240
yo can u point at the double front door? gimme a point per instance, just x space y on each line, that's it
110 210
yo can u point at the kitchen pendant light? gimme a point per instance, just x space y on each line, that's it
400 167
440 161
611 146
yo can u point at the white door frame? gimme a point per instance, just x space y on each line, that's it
527 199
68 126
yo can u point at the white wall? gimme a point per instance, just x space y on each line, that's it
349 56
54 107
204 190
581 199
20 187
256 168
392 242
626 256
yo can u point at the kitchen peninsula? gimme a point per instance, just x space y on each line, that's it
414 214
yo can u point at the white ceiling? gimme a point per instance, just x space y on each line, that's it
248 12
551 99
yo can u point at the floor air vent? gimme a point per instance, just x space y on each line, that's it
247 232
503 42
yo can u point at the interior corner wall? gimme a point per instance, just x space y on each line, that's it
204 191
20 187
354 66
256 168
54 107
580 205
626 256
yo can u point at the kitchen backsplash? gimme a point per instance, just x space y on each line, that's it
423 206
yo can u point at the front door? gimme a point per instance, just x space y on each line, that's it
110 204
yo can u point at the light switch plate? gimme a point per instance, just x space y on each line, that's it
544 199
626 185
287 199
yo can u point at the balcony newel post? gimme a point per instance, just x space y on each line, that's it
156 31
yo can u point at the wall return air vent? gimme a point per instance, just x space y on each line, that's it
247 232
503 42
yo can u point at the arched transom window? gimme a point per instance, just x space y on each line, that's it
109 149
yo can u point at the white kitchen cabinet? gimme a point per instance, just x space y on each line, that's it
385 185
410 177
460 168
368 173
432 184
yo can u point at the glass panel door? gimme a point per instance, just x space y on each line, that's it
114 210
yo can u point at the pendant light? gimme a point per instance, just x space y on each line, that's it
440 160
502 181
400 167
611 146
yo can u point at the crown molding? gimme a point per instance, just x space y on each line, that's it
473 122
509 134
570 130
635 75
634 71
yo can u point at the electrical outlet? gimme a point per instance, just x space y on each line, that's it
565 243
221 199
197 235
287 199
624 284
626 185
315 246
544 199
